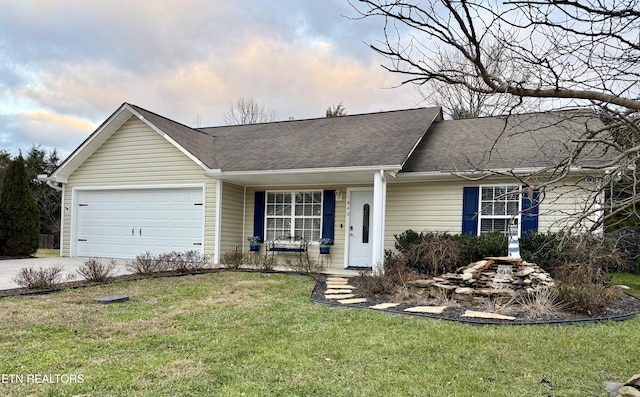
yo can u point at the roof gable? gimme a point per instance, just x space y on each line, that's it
176 133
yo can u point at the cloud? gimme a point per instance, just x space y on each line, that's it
184 59
41 127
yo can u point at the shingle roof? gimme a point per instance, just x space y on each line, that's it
375 139
198 143
509 142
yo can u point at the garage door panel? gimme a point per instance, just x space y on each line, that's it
124 224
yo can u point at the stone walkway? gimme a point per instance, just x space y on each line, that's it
339 290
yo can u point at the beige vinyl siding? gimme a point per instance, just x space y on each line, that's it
232 215
433 206
562 203
437 207
136 155
337 250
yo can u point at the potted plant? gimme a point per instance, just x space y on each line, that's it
254 243
325 245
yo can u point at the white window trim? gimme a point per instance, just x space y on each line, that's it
293 211
481 217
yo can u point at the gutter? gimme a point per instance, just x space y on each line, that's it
51 182
453 175
374 169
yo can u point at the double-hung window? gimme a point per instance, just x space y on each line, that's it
499 206
294 214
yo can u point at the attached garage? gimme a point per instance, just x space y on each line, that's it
124 223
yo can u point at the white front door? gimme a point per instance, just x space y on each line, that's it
360 224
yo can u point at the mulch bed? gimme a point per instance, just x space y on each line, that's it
624 309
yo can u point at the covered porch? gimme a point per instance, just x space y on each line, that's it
345 205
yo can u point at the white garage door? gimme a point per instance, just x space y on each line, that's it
127 223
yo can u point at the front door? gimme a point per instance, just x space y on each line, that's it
360 233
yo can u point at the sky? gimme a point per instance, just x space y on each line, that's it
67 65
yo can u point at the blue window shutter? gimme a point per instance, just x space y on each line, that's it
258 214
529 214
470 210
328 213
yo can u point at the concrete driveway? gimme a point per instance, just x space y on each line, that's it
9 268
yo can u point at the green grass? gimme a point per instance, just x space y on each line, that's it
235 334
47 253
630 280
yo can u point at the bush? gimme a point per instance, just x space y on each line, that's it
94 270
553 250
41 278
541 304
19 214
389 283
233 259
146 264
475 248
587 299
434 254
583 289
542 249
305 265
183 262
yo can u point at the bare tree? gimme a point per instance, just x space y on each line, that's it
248 111
565 54
459 102
336 110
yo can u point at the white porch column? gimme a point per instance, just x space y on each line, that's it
379 219
217 243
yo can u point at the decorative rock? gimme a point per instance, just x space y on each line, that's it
467 276
612 388
339 296
479 264
421 283
634 380
439 290
628 391
463 291
525 272
352 301
426 309
337 280
337 291
492 316
340 286
382 306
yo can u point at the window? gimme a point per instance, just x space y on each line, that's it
499 206
296 214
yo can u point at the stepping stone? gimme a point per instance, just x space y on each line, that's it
352 301
337 291
340 286
426 309
491 316
337 281
339 296
105 300
382 306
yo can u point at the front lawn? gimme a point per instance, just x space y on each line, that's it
253 334
630 280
